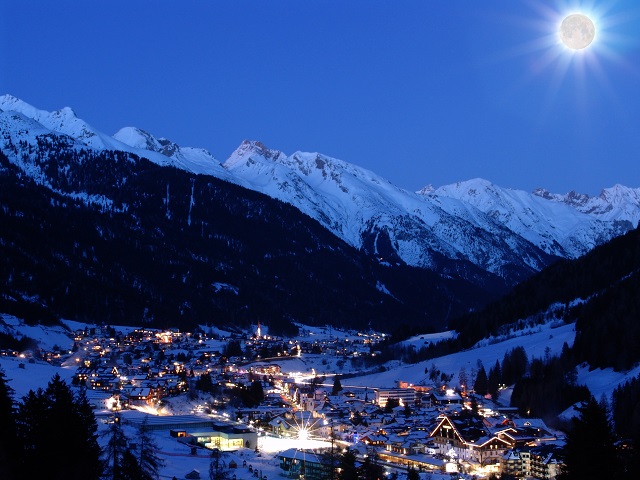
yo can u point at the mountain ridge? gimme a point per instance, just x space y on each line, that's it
452 229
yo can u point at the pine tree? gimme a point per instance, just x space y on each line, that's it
347 464
115 451
149 461
481 385
369 469
337 385
57 433
256 393
88 431
217 469
130 468
8 438
590 452
412 474
494 380
462 379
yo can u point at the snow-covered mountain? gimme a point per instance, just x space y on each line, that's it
196 160
21 121
455 230
555 226
615 203
370 213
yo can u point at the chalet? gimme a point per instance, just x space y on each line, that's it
139 396
375 439
468 439
537 462
444 397
101 400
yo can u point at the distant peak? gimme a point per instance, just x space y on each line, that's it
7 98
572 198
66 112
543 193
426 190
9 102
138 138
577 198
258 147
251 148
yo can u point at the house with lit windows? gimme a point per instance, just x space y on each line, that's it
467 438
296 463
539 462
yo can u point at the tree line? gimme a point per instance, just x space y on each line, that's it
52 433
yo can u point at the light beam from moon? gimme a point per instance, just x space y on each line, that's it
577 31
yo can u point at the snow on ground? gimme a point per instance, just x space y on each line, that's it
604 381
32 376
420 341
601 382
47 336
178 460
535 342
73 326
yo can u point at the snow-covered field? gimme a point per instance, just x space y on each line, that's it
419 341
534 341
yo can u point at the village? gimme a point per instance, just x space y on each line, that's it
245 390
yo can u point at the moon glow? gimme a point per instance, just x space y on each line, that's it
577 31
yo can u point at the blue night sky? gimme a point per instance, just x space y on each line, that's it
421 92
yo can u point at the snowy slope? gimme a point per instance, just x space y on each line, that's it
196 160
368 212
535 341
65 122
457 230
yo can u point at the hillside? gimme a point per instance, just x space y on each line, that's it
131 228
598 291
174 249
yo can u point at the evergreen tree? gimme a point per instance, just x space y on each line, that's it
8 437
58 434
412 474
370 470
481 385
256 393
130 468
391 404
462 379
337 385
149 461
217 470
494 380
590 452
115 452
347 464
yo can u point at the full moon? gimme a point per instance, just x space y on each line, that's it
577 31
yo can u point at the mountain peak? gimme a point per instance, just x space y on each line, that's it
614 203
251 149
9 102
426 190
66 112
138 138
195 160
